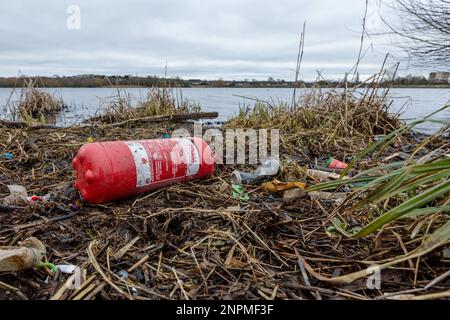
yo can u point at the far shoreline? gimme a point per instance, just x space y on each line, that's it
238 87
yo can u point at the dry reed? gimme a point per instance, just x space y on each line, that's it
34 102
194 240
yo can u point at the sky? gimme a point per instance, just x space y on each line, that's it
232 39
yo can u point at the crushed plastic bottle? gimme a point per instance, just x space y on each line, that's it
268 169
18 196
26 256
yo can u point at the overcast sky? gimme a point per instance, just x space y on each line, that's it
232 39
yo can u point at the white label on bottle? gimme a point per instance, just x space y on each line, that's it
143 164
191 156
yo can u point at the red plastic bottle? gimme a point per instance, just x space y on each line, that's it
108 171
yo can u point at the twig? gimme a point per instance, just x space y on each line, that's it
299 62
19 293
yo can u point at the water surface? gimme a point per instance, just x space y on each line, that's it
413 103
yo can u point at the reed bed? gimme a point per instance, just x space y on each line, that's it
155 102
36 103
195 241
324 122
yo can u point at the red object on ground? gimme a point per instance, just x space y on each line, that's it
335 164
107 171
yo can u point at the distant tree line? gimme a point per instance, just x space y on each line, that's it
90 81
411 80
94 81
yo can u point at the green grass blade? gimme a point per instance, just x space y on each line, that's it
413 203
384 191
432 166
373 146
388 139
425 211
331 185
402 186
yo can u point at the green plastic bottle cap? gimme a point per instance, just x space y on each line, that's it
329 162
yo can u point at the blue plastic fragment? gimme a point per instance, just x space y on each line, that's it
8 156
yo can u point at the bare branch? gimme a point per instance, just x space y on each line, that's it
425 27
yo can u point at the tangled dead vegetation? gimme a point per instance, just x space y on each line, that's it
195 240
35 102
325 122
156 102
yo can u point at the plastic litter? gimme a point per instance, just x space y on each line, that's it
108 171
123 274
323 175
268 169
18 196
239 193
48 265
8 156
38 199
66 268
276 186
26 256
334 163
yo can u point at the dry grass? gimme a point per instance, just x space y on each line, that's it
35 103
157 101
195 241
324 123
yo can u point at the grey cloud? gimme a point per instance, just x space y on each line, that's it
207 39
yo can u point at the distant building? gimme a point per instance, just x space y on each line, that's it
439 77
